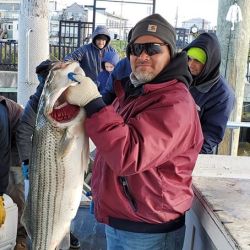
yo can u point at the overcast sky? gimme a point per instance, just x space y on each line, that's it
187 9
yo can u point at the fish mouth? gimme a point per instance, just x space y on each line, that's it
63 111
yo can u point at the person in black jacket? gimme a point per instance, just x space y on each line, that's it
11 179
213 95
5 158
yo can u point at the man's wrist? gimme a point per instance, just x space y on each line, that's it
94 106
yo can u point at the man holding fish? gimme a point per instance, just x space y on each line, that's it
147 143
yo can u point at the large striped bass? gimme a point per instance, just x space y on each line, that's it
59 158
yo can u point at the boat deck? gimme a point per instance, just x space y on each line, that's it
90 233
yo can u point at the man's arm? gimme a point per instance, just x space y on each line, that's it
214 123
27 122
76 55
25 131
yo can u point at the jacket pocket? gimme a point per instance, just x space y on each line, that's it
127 193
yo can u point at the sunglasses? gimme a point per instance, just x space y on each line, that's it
150 49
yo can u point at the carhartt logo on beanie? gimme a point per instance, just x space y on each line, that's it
156 25
198 54
152 28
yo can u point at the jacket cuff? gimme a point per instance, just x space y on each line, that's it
94 106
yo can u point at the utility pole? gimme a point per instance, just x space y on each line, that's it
33 45
176 15
234 49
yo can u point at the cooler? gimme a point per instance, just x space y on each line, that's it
8 231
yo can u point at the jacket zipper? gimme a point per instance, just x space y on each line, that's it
127 193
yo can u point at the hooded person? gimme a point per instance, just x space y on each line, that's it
121 70
142 178
213 95
90 55
109 62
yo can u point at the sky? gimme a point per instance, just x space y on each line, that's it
187 9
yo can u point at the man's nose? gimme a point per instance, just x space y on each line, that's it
144 55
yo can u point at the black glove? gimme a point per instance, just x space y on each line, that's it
44 67
42 71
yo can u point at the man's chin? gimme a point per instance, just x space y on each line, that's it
194 73
144 76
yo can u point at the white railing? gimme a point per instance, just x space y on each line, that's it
236 125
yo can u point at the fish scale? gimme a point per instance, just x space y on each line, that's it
58 161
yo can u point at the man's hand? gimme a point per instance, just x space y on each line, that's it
83 93
25 171
2 211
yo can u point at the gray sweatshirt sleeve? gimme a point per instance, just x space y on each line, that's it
25 131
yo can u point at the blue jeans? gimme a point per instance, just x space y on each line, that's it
123 240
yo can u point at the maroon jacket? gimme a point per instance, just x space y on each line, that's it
151 144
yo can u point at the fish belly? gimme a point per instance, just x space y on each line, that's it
56 181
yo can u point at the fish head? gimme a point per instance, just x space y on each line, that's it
56 109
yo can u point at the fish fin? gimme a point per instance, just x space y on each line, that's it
65 144
85 154
25 218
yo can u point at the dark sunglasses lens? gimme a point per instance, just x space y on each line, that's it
152 49
136 49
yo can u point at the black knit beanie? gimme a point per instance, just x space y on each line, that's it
155 25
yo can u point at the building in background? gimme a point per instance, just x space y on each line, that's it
201 23
10 10
9 13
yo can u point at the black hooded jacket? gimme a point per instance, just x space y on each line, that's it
10 113
214 97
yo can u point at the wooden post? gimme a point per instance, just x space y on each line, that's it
234 50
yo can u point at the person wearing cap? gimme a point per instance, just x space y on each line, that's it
147 143
213 95
90 55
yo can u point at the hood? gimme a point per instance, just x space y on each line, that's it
111 57
176 69
101 30
211 71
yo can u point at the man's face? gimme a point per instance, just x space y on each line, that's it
100 43
195 66
148 57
